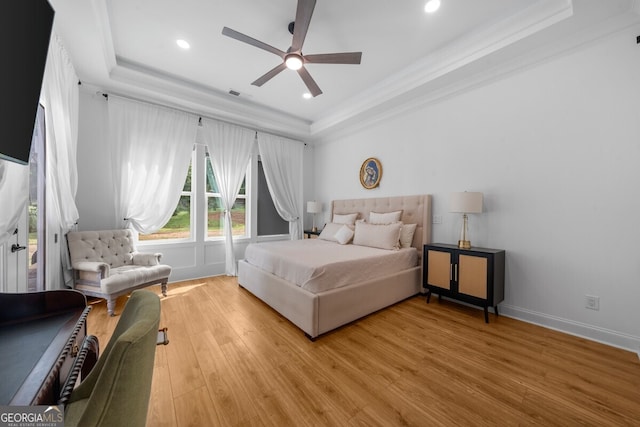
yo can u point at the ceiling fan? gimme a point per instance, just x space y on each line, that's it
293 57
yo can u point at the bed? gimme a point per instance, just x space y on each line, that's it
314 307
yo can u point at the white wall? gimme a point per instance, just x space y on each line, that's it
555 148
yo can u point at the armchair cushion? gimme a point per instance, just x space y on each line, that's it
106 264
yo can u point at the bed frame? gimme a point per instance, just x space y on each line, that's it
319 313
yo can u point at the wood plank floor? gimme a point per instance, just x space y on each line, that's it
233 361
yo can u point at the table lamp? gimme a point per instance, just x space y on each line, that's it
466 202
313 208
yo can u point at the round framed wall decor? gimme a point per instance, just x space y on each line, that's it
370 173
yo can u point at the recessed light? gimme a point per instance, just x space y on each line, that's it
306 95
183 44
432 6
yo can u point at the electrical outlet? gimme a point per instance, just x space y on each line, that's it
592 302
437 219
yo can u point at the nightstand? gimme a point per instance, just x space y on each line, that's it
309 233
475 276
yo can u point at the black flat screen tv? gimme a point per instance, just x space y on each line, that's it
25 31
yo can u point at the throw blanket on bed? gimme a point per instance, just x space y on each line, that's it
319 265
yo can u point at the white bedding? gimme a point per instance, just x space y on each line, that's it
319 265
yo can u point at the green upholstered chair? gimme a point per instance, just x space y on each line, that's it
116 392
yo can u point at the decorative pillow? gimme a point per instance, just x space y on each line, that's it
344 218
329 232
406 235
344 235
383 236
384 218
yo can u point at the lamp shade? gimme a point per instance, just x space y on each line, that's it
314 207
465 202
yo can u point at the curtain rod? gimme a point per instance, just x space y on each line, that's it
200 116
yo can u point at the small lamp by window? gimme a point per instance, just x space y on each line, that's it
313 208
466 202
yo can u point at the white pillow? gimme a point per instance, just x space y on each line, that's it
344 235
384 218
329 232
344 218
406 235
383 236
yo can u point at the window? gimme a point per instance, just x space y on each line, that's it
215 225
198 214
179 225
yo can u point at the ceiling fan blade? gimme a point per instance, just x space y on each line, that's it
308 80
253 42
269 75
334 58
301 24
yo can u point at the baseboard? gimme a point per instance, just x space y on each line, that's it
605 336
179 274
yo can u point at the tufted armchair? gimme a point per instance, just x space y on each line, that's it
107 265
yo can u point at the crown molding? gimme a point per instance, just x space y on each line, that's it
101 15
468 49
475 45
127 77
200 99
441 74
492 68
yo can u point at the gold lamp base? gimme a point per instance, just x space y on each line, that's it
464 244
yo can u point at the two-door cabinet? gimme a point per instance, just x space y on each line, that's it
475 276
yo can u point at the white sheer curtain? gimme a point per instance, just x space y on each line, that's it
60 97
14 193
151 151
282 162
229 151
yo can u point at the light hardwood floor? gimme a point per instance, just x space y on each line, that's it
233 361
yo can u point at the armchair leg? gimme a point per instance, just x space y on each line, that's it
163 286
111 305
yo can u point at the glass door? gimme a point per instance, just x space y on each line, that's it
36 206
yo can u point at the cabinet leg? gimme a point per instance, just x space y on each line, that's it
486 314
428 295
495 309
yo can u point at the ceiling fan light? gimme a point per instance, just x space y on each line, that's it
294 62
183 44
432 6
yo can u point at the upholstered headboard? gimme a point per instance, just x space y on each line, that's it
415 210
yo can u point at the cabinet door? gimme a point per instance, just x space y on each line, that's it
439 269
472 275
